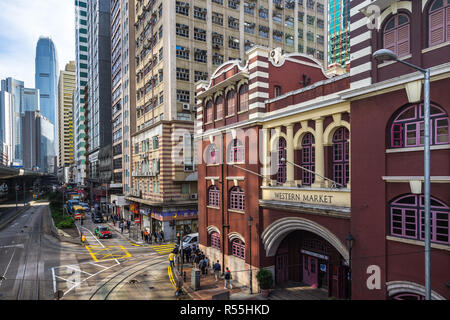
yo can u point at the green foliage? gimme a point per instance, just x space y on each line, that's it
264 278
56 207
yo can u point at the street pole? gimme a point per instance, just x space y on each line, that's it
250 219
181 248
24 194
426 95
17 196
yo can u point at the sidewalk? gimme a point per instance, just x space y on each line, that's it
209 287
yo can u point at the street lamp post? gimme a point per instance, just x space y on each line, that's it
250 220
383 55
350 240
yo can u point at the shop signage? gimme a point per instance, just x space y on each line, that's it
313 254
304 197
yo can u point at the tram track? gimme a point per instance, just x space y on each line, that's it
110 284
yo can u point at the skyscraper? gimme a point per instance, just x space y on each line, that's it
66 88
81 61
99 82
123 97
46 80
6 127
339 17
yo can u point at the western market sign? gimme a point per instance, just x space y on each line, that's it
316 196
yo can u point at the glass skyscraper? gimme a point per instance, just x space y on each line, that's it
46 80
339 17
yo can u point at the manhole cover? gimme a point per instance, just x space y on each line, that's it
133 281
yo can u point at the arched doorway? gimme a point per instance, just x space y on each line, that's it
308 259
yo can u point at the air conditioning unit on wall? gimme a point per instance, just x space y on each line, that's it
186 106
194 196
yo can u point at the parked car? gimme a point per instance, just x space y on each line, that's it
97 218
190 240
102 232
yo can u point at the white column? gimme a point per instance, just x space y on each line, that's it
290 155
319 182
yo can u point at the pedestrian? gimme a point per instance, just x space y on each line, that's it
154 235
142 234
227 278
121 227
128 225
159 237
187 253
217 268
162 236
201 265
146 236
171 259
206 260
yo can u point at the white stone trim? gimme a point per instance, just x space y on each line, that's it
258 63
395 287
361 68
259 74
360 38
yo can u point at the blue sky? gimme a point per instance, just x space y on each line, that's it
22 22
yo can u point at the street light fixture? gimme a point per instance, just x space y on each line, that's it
388 55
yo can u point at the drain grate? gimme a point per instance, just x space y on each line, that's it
133 281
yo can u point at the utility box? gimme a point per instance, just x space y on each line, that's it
195 279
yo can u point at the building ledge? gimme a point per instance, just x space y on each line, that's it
163 203
330 211
433 179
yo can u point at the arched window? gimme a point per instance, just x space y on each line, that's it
237 198
219 107
215 240
396 34
238 248
213 196
308 159
236 151
439 22
340 147
243 97
281 173
209 112
407 296
407 129
212 154
407 218
231 102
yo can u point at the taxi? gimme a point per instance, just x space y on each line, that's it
102 232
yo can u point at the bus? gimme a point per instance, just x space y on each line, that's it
78 213
71 204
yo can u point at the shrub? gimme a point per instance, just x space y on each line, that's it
264 278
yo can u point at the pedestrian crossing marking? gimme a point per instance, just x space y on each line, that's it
99 253
163 248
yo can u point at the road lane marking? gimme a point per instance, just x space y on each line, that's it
108 253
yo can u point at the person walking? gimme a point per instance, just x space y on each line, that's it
206 260
201 265
162 236
121 227
172 259
128 225
142 234
187 252
227 278
217 269
146 236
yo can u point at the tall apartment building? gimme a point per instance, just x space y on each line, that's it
99 83
123 98
177 44
81 61
6 127
66 89
339 35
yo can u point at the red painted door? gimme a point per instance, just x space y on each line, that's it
282 268
310 270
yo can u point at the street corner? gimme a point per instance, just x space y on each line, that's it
100 253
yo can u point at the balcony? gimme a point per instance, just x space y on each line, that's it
322 201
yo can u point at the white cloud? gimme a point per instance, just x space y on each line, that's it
22 22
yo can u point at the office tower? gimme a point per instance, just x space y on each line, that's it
46 80
18 101
6 127
81 61
99 128
339 42
38 132
123 97
66 88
